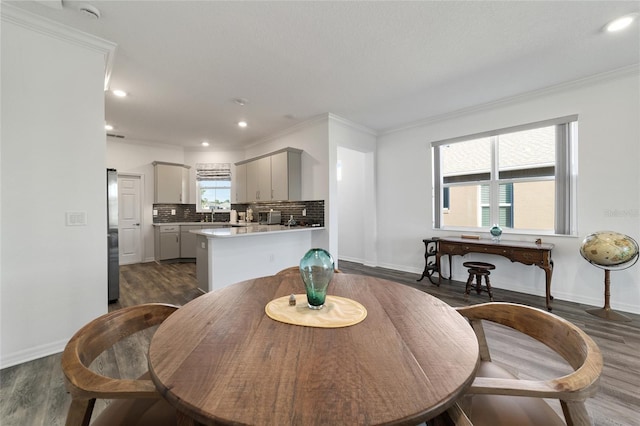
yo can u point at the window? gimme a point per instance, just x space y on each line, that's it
522 178
213 183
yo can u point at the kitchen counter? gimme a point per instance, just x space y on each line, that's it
193 223
252 229
225 256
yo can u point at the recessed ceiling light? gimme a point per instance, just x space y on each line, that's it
205 143
108 127
621 23
242 123
119 93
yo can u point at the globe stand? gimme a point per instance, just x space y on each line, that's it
606 312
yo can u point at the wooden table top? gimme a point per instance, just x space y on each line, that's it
221 360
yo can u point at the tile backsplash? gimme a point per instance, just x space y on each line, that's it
187 212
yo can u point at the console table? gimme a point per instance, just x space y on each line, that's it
517 251
430 265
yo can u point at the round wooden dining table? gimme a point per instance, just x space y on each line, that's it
221 360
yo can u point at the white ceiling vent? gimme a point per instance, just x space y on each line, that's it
89 11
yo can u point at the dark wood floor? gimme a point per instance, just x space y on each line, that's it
33 393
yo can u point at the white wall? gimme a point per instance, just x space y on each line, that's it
53 277
136 157
608 186
351 201
191 158
356 193
312 137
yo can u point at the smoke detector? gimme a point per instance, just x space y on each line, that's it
89 11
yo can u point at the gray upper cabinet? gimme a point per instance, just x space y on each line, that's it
286 178
171 183
240 184
273 177
259 180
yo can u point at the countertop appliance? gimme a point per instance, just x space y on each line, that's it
269 217
113 261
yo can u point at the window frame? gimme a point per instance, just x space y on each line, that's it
565 177
212 172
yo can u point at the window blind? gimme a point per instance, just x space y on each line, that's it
213 171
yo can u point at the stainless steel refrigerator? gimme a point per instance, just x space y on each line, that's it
112 235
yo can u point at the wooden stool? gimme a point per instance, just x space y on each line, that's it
478 270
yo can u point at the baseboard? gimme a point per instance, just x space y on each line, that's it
567 297
351 259
32 353
358 260
401 268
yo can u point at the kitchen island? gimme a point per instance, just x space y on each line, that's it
226 256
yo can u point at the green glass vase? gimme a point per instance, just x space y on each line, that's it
316 269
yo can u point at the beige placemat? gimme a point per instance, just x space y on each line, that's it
337 312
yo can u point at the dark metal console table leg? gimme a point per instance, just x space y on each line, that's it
431 264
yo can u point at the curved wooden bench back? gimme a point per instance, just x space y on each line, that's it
563 337
89 342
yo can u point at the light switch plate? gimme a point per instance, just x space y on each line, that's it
155 212
76 218
173 212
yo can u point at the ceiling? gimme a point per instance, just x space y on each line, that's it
381 64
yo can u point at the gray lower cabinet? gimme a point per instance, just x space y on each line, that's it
176 242
167 242
188 241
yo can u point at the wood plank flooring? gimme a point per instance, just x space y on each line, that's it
33 393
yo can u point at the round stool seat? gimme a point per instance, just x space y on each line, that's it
477 270
479 265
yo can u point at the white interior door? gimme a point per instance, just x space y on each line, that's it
129 213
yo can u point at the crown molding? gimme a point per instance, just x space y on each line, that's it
142 142
306 123
581 82
352 124
49 28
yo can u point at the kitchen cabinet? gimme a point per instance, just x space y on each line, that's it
259 180
188 241
286 179
171 183
240 184
167 242
274 177
177 242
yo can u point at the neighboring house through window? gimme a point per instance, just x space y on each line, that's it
522 178
213 182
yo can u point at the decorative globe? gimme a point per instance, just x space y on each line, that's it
609 250
495 232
